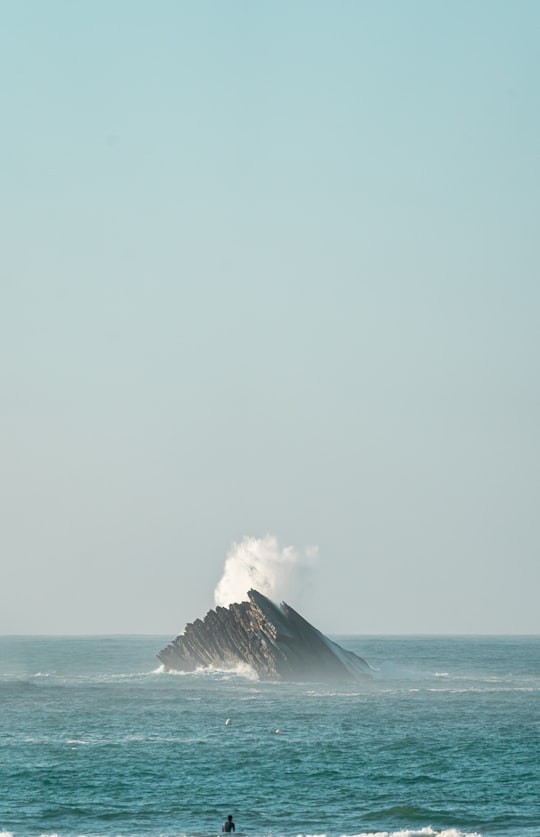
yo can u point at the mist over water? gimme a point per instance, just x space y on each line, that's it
261 563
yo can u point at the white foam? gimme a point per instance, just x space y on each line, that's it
240 670
261 563
407 832
414 832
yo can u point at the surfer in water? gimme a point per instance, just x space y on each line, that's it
228 825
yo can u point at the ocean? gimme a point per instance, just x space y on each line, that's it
96 740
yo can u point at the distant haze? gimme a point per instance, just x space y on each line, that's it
270 279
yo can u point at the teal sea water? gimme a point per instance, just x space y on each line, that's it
96 740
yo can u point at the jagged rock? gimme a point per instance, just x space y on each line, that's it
276 642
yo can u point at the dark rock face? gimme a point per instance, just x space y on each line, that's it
276 642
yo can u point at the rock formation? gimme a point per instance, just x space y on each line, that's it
276 642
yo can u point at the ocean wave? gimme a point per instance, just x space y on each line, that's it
407 832
242 670
423 832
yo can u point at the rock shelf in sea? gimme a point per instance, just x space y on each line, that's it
275 641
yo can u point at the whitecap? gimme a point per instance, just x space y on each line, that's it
427 831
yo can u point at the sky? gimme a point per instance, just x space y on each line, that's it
269 287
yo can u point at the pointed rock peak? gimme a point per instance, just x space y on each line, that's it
275 641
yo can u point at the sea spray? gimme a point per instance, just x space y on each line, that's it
261 563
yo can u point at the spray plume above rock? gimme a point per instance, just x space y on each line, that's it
263 564
276 642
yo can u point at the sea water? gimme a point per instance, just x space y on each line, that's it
96 740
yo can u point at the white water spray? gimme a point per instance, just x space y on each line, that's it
275 571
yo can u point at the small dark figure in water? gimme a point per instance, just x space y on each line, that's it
228 825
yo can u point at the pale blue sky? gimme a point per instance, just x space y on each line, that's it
270 267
